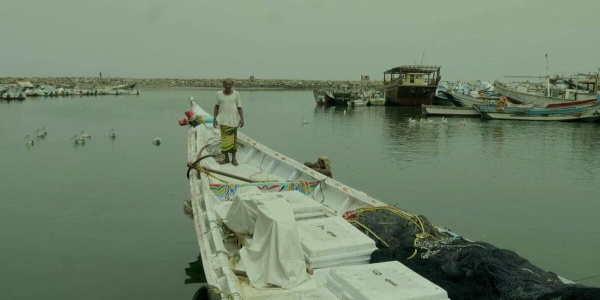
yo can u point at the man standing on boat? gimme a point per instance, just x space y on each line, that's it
323 166
229 116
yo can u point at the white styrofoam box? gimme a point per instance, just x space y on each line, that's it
332 261
302 205
333 239
387 280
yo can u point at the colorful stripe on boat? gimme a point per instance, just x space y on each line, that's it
225 192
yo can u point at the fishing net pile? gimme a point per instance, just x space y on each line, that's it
465 269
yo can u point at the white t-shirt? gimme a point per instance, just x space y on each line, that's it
228 104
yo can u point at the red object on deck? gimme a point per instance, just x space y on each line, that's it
183 122
189 114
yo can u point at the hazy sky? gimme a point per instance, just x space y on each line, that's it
299 39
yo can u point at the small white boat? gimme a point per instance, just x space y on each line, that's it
273 228
359 102
590 114
442 110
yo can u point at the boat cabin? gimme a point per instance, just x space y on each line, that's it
413 75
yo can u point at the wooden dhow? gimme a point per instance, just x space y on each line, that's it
411 85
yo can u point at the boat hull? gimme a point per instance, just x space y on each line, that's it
338 267
437 110
407 95
589 115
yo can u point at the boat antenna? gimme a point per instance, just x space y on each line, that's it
422 57
547 77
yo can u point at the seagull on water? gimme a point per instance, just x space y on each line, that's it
43 131
411 120
463 122
39 134
29 140
85 135
77 139
444 120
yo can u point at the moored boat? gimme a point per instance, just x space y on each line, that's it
585 114
542 100
505 107
272 228
467 101
442 110
411 85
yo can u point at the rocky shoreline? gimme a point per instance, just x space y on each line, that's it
93 82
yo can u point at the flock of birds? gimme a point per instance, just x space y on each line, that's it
412 121
78 139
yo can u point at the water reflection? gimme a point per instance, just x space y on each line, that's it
406 140
195 271
197 276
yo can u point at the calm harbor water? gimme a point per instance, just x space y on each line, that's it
105 220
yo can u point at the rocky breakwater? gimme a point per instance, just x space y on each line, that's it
95 82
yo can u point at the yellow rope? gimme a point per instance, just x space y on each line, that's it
370 231
205 171
416 220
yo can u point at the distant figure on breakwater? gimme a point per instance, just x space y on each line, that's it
100 74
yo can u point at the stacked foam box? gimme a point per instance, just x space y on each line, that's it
332 241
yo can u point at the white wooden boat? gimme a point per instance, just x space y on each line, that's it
442 110
540 100
376 98
272 228
590 114
467 101
361 101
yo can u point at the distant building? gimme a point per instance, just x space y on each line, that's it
365 78
251 77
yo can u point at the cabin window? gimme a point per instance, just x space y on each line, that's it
412 78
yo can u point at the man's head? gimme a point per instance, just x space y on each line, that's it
324 162
228 84
321 163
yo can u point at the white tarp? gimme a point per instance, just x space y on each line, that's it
275 257
241 216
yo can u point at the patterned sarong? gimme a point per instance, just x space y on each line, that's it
228 139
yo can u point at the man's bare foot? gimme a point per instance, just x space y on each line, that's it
225 161
234 162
